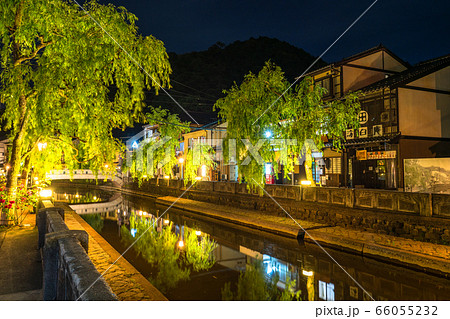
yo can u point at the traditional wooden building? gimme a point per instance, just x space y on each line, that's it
404 116
350 75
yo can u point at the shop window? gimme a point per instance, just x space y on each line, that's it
333 165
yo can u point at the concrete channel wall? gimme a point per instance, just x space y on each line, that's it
68 271
419 216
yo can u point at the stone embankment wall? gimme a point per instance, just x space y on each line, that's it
419 216
68 272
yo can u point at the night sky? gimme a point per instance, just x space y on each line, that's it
415 30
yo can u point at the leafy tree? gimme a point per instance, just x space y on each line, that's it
158 151
64 79
265 114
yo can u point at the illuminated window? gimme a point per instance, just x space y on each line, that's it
326 291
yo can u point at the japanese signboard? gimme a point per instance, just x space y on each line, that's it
349 134
381 155
362 132
361 155
363 117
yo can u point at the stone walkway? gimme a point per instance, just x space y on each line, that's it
125 281
20 262
401 250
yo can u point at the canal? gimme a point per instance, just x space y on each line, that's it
189 257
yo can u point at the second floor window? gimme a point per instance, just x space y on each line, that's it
326 83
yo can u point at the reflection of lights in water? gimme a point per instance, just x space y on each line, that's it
198 233
166 222
307 273
133 232
181 243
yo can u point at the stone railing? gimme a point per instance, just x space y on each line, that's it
83 174
423 204
68 271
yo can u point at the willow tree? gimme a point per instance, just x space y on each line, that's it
71 74
272 122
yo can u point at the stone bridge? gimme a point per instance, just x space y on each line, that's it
85 174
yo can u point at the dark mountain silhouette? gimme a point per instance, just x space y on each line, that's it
199 78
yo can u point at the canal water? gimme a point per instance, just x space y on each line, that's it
190 257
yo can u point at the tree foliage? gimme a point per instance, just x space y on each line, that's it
64 79
266 103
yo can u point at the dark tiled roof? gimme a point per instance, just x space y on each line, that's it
416 72
359 55
358 141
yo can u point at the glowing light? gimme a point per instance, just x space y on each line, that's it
166 222
268 169
181 243
307 273
198 233
145 176
45 193
95 197
134 145
203 170
41 146
305 183
198 178
268 134
36 182
36 178
133 232
7 167
77 195
181 160
166 176
106 166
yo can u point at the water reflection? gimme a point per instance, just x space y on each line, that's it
257 283
171 250
95 220
243 256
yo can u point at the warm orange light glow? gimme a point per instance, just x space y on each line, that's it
181 243
181 160
198 233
